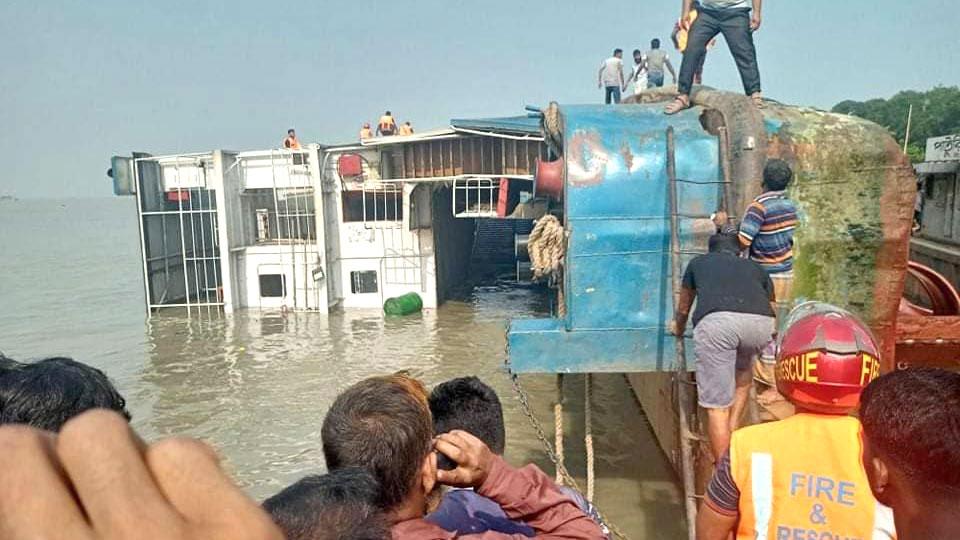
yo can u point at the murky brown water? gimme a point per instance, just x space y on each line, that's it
257 385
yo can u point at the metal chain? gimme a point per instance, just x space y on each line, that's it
548 448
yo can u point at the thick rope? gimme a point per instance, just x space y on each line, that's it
546 247
588 433
558 430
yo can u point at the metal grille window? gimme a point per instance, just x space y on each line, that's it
363 282
370 205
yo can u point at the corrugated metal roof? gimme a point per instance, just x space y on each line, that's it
512 124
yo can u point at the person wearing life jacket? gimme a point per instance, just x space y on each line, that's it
405 129
365 131
802 477
386 126
291 141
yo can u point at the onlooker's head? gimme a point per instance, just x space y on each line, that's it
637 55
47 393
655 44
724 243
777 175
470 405
911 435
383 425
341 504
291 132
618 53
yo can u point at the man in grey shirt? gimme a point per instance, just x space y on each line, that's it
657 59
734 19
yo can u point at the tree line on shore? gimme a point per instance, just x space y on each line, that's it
936 112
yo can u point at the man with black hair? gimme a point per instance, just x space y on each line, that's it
468 404
340 504
766 233
733 321
657 60
47 393
911 450
384 425
610 77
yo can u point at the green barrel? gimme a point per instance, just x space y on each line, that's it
403 305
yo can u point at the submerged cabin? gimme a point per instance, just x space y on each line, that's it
334 226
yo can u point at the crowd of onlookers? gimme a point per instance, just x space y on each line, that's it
402 462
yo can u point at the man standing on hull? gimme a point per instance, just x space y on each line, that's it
657 60
732 18
610 77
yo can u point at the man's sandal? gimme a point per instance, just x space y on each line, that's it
678 104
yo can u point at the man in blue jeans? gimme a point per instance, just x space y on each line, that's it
610 77
737 20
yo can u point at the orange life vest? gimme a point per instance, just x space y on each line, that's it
365 133
291 142
803 478
387 123
405 130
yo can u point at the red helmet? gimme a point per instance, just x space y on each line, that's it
826 356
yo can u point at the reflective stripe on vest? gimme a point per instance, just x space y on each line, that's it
801 478
387 123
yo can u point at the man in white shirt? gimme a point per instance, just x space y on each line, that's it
611 77
639 76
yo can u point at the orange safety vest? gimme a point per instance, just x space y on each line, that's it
365 133
802 478
405 130
387 123
291 142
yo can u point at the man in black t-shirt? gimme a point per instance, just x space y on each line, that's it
733 321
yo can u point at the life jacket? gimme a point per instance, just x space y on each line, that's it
405 130
387 123
365 133
803 478
291 142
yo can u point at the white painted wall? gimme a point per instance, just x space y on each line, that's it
297 265
403 259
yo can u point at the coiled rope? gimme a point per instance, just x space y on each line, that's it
546 246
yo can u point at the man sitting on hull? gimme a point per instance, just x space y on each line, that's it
381 425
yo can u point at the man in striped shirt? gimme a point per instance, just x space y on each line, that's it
766 234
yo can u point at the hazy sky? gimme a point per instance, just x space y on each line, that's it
81 81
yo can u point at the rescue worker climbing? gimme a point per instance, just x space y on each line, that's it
365 131
802 477
387 125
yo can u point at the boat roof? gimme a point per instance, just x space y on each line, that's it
526 125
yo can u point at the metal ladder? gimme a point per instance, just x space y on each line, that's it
687 436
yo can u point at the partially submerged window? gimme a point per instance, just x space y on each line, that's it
363 282
272 285
373 205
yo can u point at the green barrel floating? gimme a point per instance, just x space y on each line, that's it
403 305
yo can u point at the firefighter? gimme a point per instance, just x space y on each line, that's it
387 125
365 132
802 477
